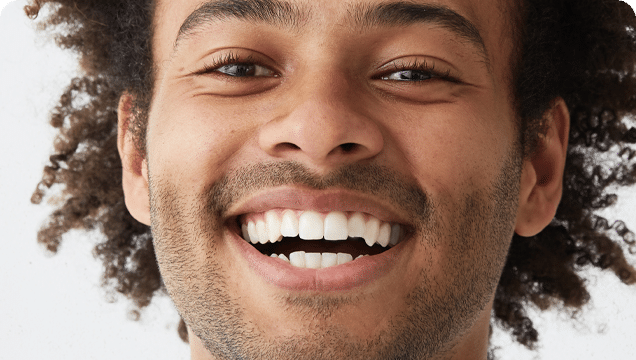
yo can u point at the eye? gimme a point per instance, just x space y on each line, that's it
244 70
415 71
238 72
408 75
235 66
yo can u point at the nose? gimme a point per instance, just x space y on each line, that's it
323 124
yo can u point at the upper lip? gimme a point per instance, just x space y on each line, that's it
302 198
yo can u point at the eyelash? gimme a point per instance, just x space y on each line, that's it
415 65
422 66
227 59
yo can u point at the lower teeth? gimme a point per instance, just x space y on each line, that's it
302 259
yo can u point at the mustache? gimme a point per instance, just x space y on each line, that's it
373 179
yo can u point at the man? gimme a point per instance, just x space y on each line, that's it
348 180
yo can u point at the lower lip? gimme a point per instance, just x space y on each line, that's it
347 276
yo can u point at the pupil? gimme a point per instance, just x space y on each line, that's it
238 70
414 75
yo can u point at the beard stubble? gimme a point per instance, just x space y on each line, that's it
438 310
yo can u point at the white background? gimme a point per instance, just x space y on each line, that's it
52 307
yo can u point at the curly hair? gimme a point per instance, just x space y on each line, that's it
583 51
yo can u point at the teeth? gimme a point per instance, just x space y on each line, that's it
356 225
328 259
251 231
273 226
297 259
384 235
336 226
289 224
246 234
261 230
372 231
395 235
312 225
302 259
344 258
313 260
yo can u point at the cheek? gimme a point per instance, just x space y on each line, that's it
452 150
192 142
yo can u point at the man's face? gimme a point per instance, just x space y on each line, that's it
335 119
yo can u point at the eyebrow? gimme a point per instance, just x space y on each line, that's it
283 14
275 12
406 13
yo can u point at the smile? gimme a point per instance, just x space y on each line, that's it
309 239
321 241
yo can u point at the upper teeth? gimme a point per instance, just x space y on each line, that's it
312 225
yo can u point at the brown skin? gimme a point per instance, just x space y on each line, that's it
327 95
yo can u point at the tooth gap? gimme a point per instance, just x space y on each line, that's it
327 246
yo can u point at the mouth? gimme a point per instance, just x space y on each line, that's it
314 240
304 240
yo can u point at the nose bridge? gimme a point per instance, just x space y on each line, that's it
326 83
322 123
324 101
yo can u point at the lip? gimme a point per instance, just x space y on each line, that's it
343 277
298 198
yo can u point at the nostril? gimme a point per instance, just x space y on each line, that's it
348 147
287 146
